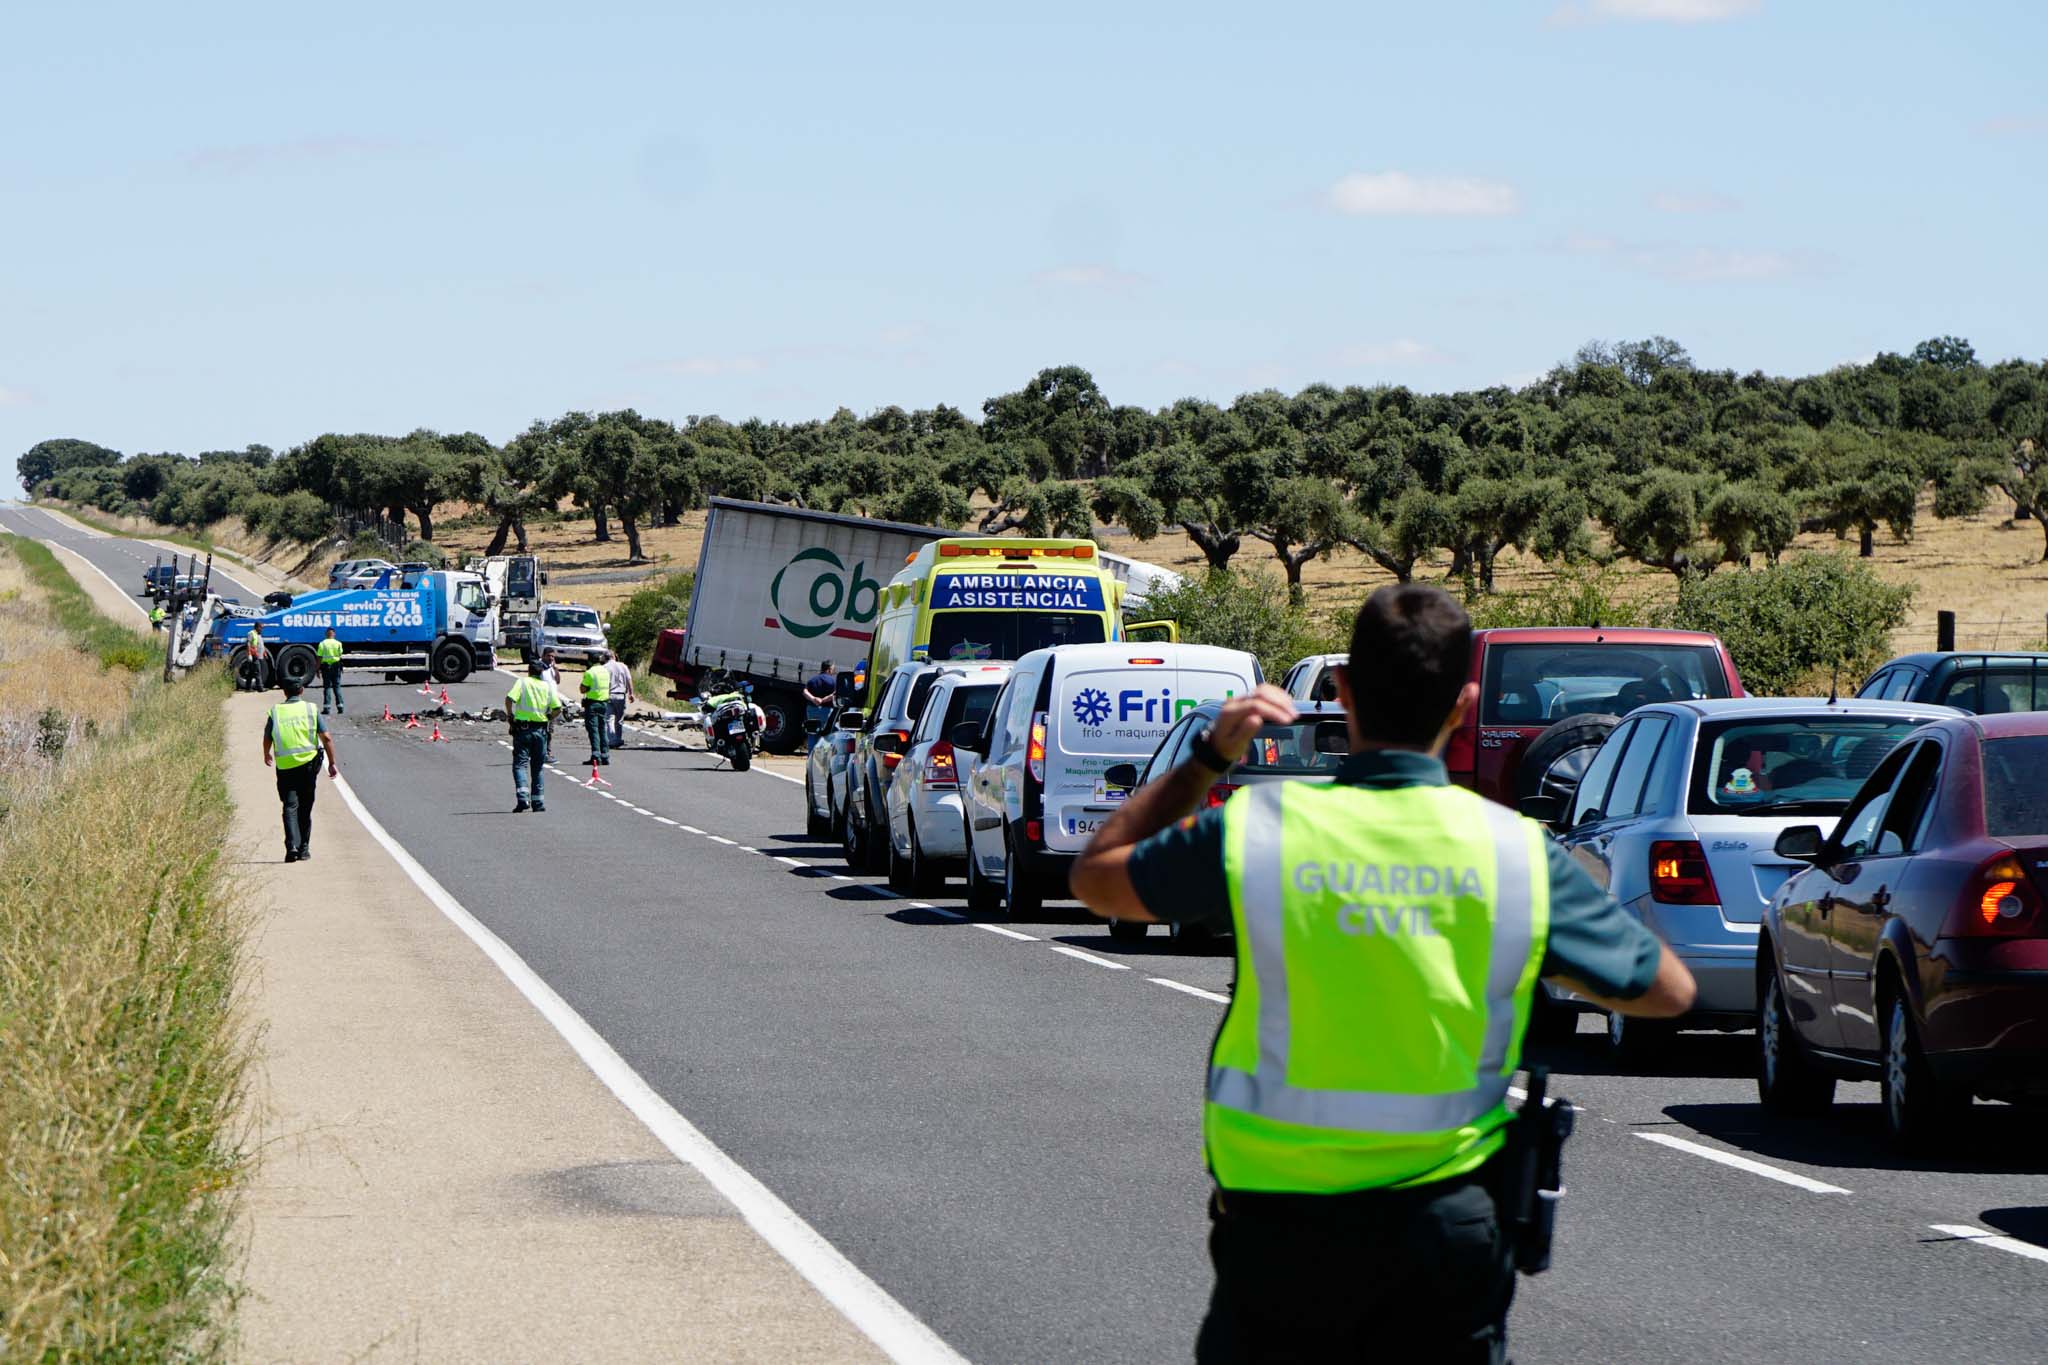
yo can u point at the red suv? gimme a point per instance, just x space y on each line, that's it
1549 695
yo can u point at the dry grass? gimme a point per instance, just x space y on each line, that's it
121 1059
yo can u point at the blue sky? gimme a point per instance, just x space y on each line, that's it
233 223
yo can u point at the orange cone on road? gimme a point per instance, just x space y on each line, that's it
412 720
437 737
387 710
595 780
444 696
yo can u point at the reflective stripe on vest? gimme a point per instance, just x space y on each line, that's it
529 700
597 684
329 651
1382 1135
294 733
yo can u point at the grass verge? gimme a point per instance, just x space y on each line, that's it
114 644
121 1055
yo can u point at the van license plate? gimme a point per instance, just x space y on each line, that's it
1085 824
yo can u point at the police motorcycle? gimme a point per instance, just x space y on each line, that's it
733 726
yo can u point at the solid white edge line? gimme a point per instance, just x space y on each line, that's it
1088 957
1743 1163
65 552
892 1327
1186 989
780 777
1008 933
1985 1237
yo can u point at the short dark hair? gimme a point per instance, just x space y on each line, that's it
1411 648
292 686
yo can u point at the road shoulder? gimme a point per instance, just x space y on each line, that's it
440 1176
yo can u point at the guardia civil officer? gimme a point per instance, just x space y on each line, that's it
1390 931
530 707
328 651
293 736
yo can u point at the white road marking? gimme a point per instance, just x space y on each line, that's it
842 877
783 777
1743 1163
1088 957
689 829
937 910
1008 933
887 1323
721 839
748 848
73 554
664 819
1186 989
793 862
1984 1237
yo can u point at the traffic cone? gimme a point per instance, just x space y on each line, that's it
437 737
387 710
595 780
426 689
444 696
412 720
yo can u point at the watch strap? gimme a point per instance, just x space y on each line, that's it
1202 749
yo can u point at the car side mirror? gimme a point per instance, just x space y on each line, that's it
814 727
1547 810
966 735
1801 843
853 720
1590 816
888 742
1123 775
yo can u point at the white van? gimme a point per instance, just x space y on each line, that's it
1068 715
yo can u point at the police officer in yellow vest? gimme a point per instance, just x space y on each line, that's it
293 736
328 651
529 708
1390 932
156 617
597 691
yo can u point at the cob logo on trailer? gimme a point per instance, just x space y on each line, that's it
816 591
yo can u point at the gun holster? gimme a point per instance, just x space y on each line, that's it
1534 1176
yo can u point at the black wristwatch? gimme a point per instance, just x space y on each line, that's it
1202 749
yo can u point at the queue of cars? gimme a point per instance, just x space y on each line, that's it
1861 881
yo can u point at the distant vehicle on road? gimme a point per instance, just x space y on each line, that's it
157 580
1311 747
1066 717
825 775
878 749
1911 947
345 572
1982 684
1314 678
575 632
1676 816
927 835
1550 695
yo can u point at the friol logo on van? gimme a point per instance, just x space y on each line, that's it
815 591
1133 711
1091 706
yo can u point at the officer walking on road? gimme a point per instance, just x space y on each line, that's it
597 692
329 653
293 736
1390 932
621 697
529 707
255 661
156 617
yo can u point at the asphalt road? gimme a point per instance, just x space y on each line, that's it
998 1121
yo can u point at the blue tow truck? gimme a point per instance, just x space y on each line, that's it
404 625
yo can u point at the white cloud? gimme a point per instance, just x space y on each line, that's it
1399 194
11 397
1695 264
1090 276
1651 11
1706 201
2014 125
1402 351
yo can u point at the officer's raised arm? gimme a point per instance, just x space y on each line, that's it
1101 878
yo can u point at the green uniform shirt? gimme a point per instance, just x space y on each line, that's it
329 651
1179 874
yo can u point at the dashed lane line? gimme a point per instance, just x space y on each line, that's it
1985 1237
1008 933
1088 957
1743 1163
1186 989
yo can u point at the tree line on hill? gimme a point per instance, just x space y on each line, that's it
1683 468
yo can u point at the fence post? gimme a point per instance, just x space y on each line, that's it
1945 631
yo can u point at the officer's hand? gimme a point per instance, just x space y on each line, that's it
1242 717
333 771
266 760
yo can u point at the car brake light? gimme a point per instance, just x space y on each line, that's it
1144 661
1999 899
939 768
1034 831
890 760
1034 756
1220 793
1679 874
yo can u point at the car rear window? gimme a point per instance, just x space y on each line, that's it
1742 766
970 705
1537 684
1300 748
2015 798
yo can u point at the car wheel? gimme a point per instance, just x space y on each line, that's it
1556 759
1023 891
1637 1042
874 839
835 813
1919 1111
1128 930
816 826
925 877
899 868
982 893
1787 1081
850 839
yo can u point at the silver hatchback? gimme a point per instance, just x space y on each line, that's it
1677 816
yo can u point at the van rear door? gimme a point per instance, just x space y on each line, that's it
1111 708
